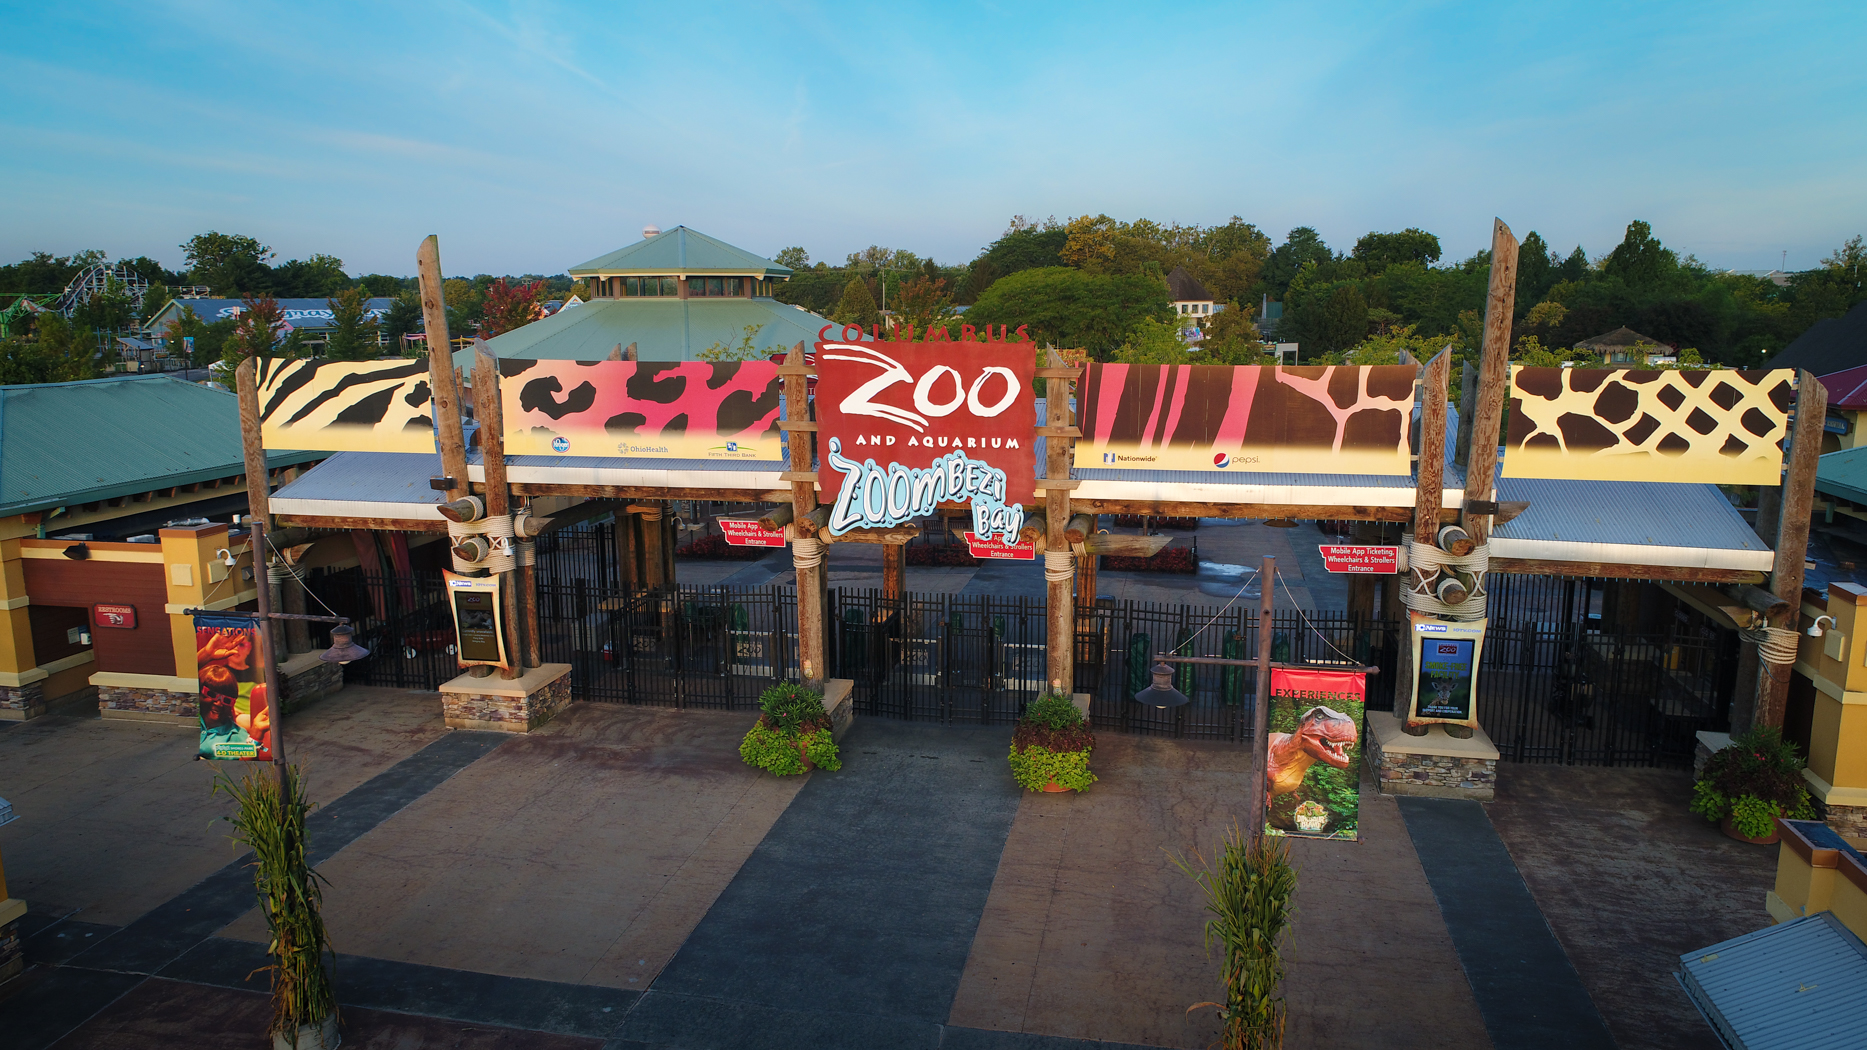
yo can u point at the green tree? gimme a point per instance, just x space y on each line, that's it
353 329
1153 342
857 305
255 334
315 278
231 264
68 351
923 304
1385 349
1640 259
1301 247
402 318
1069 308
795 258
1378 251
747 350
1025 245
1232 339
111 310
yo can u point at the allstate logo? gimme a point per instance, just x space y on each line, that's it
1221 461
1108 457
560 444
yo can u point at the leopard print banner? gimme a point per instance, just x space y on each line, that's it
1621 424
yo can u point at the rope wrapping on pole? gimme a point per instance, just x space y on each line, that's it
1059 566
499 538
1427 563
806 552
1775 645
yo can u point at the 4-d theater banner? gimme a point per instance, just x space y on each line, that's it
1445 679
903 427
236 717
1313 773
660 409
1338 419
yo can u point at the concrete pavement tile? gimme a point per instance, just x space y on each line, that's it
93 789
567 855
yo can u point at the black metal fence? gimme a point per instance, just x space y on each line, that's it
1554 686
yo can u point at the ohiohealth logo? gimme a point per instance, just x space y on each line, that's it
559 444
1221 461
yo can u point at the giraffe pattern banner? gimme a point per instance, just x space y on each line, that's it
1333 419
1620 424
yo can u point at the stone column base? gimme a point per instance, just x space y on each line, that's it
306 679
839 699
12 953
147 697
1434 765
507 705
20 702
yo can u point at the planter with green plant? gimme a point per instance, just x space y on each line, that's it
1050 746
793 734
1249 889
1746 786
269 818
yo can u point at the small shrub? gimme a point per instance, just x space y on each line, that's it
793 717
1052 742
1755 780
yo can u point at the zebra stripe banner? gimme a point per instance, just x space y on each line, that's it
346 406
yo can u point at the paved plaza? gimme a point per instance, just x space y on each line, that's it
620 879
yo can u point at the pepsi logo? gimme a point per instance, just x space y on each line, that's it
1221 461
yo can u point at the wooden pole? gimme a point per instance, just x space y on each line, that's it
1792 536
811 653
1493 381
258 481
529 631
894 569
259 501
442 379
1060 597
653 537
275 700
628 569
486 410
1261 703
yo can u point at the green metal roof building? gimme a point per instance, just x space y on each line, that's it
670 295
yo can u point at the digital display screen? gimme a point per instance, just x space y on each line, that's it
476 613
1445 686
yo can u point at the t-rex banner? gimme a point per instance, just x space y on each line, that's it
345 406
1620 424
658 409
1313 776
236 719
1336 419
903 427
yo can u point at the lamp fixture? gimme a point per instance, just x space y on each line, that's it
77 552
343 649
1815 629
1161 694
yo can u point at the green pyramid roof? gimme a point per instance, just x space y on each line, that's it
680 251
661 329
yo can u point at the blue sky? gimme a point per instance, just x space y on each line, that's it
532 136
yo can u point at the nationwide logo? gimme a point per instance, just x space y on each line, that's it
1108 457
1221 461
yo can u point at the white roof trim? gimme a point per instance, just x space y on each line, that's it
1633 554
342 508
1292 495
635 477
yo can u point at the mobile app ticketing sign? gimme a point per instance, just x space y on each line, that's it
903 427
1360 559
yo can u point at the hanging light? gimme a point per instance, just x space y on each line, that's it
1161 694
343 649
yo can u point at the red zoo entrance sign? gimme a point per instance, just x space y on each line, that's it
1345 558
114 615
998 550
747 532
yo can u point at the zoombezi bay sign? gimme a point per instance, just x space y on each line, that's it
905 427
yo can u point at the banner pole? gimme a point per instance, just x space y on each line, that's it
275 713
1261 704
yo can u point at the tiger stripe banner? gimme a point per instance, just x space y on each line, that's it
1699 426
345 406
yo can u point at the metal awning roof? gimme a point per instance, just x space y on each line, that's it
1801 984
381 486
1628 523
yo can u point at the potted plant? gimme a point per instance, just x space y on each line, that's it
1050 746
792 735
269 818
1746 786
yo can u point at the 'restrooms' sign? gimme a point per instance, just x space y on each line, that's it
903 427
